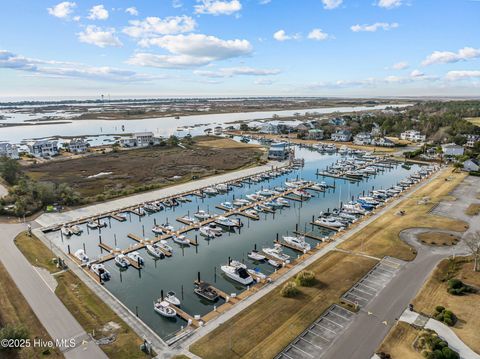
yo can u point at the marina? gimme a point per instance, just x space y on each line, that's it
268 221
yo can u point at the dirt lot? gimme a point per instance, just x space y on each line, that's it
129 171
399 342
438 238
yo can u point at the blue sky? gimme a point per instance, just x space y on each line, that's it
239 48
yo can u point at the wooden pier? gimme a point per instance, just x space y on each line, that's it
220 293
287 245
117 217
133 263
106 247
309 235
185 316
137 211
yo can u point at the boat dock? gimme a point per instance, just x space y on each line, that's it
106 247
309 235
286 245
117 217
185 316
220 293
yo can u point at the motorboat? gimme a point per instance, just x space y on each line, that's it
66 231
282 201
254 197
222 187
240 202
238 274
276 252
215 229
369 200
237 264
135 256
163 308
93 224
154 251
81 256
329 222
101 272
273 204
353 209
158 230
189 219
255 273
274 263
202 215
227 205
291 184
256 256
266 192
163 244
206 291
182 199
279 189
226 222
302 193
172 298
168 227
121 261
150 208
210 191
181 239
76 230
298 242
251 212
205 231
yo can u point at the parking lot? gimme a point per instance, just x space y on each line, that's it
319 336
373 282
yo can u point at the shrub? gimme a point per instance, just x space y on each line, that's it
439 308
457 287
289 290
445 316
305 278
13 332
448 321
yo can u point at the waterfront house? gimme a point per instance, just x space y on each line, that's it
341 136
269 127
412 136
278 151
383 142
376 130
471 140
8 150
471 165
362 138
78 145
337 121
139 139
43 148
315 134
452 149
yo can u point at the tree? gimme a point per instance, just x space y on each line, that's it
472 241
244 127
172 141
10 171
13 332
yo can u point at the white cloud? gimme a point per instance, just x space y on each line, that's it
402 65
97 36
153 26
190 50
264 2
132 11
233 71
98 12
462 75
62 10
217 7
417 74
60 69
318 34
445 57
281 35
389 4
374 27
331 4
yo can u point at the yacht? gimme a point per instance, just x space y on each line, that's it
298 242
277 253
181 239
121 261
226 222
135 256
81 256
227 205
189 219
252 212
222 187
329 222
266 192
205 231
172 298
210 191
201 214
215 229
256 256
163 308
206 291
154 251
100 270
238 274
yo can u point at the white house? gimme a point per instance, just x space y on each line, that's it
471 165
43 148
341 136
278 151
471 140
362 138
8 150
139 139
383 142
269 127
452 149
412 136
78 145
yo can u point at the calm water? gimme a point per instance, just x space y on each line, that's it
165 126
138 289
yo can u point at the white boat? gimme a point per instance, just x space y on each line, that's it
329 222
290 184
181 239
353 209
254 197
205 231
182 199
154 251
210 191
226 222
201 214
276 252
76 230
93 224
172 298
227 205
237 264
135 256
240 202
302 193
251 212
215 229
163 244
189 219
163 308
150 208
274 263
221 187
256 256
121 261
239 274
282 201
81 256
298 242
101 272
266 192
66 231
158 230
256 273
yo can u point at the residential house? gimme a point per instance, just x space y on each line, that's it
303 127
278 151
315 134
383 142
471 165
376 130
78 145
452 149
362 138
269 127
412 136
9 150
140 139
43 148
337 121
341 136
471 140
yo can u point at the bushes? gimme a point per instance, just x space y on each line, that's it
457 287
433 347
13 332
305 278
289 290
445 316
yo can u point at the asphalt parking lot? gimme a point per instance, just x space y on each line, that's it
373 282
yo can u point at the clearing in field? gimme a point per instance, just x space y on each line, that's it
474 120
438 238
399 342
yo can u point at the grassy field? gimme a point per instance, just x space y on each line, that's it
474 120
90 311
263 329
465 307
14 310
381 237
399 342
130 171
438 238
473 209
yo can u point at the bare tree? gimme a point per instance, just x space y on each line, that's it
472 240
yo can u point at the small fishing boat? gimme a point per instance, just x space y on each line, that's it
205 231
227 205
201 214
215 229
256 256
298 242
81 256
274 263
121 261
163 308
210 191
76 230
135 256
240 202
206 291
100 270
172 298
154 251
189 219
226 222
66 231
276 252
238 274
252 212
181 239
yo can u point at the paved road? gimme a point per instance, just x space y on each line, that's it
51 312
367 330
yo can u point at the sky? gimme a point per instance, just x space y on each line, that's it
184 48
